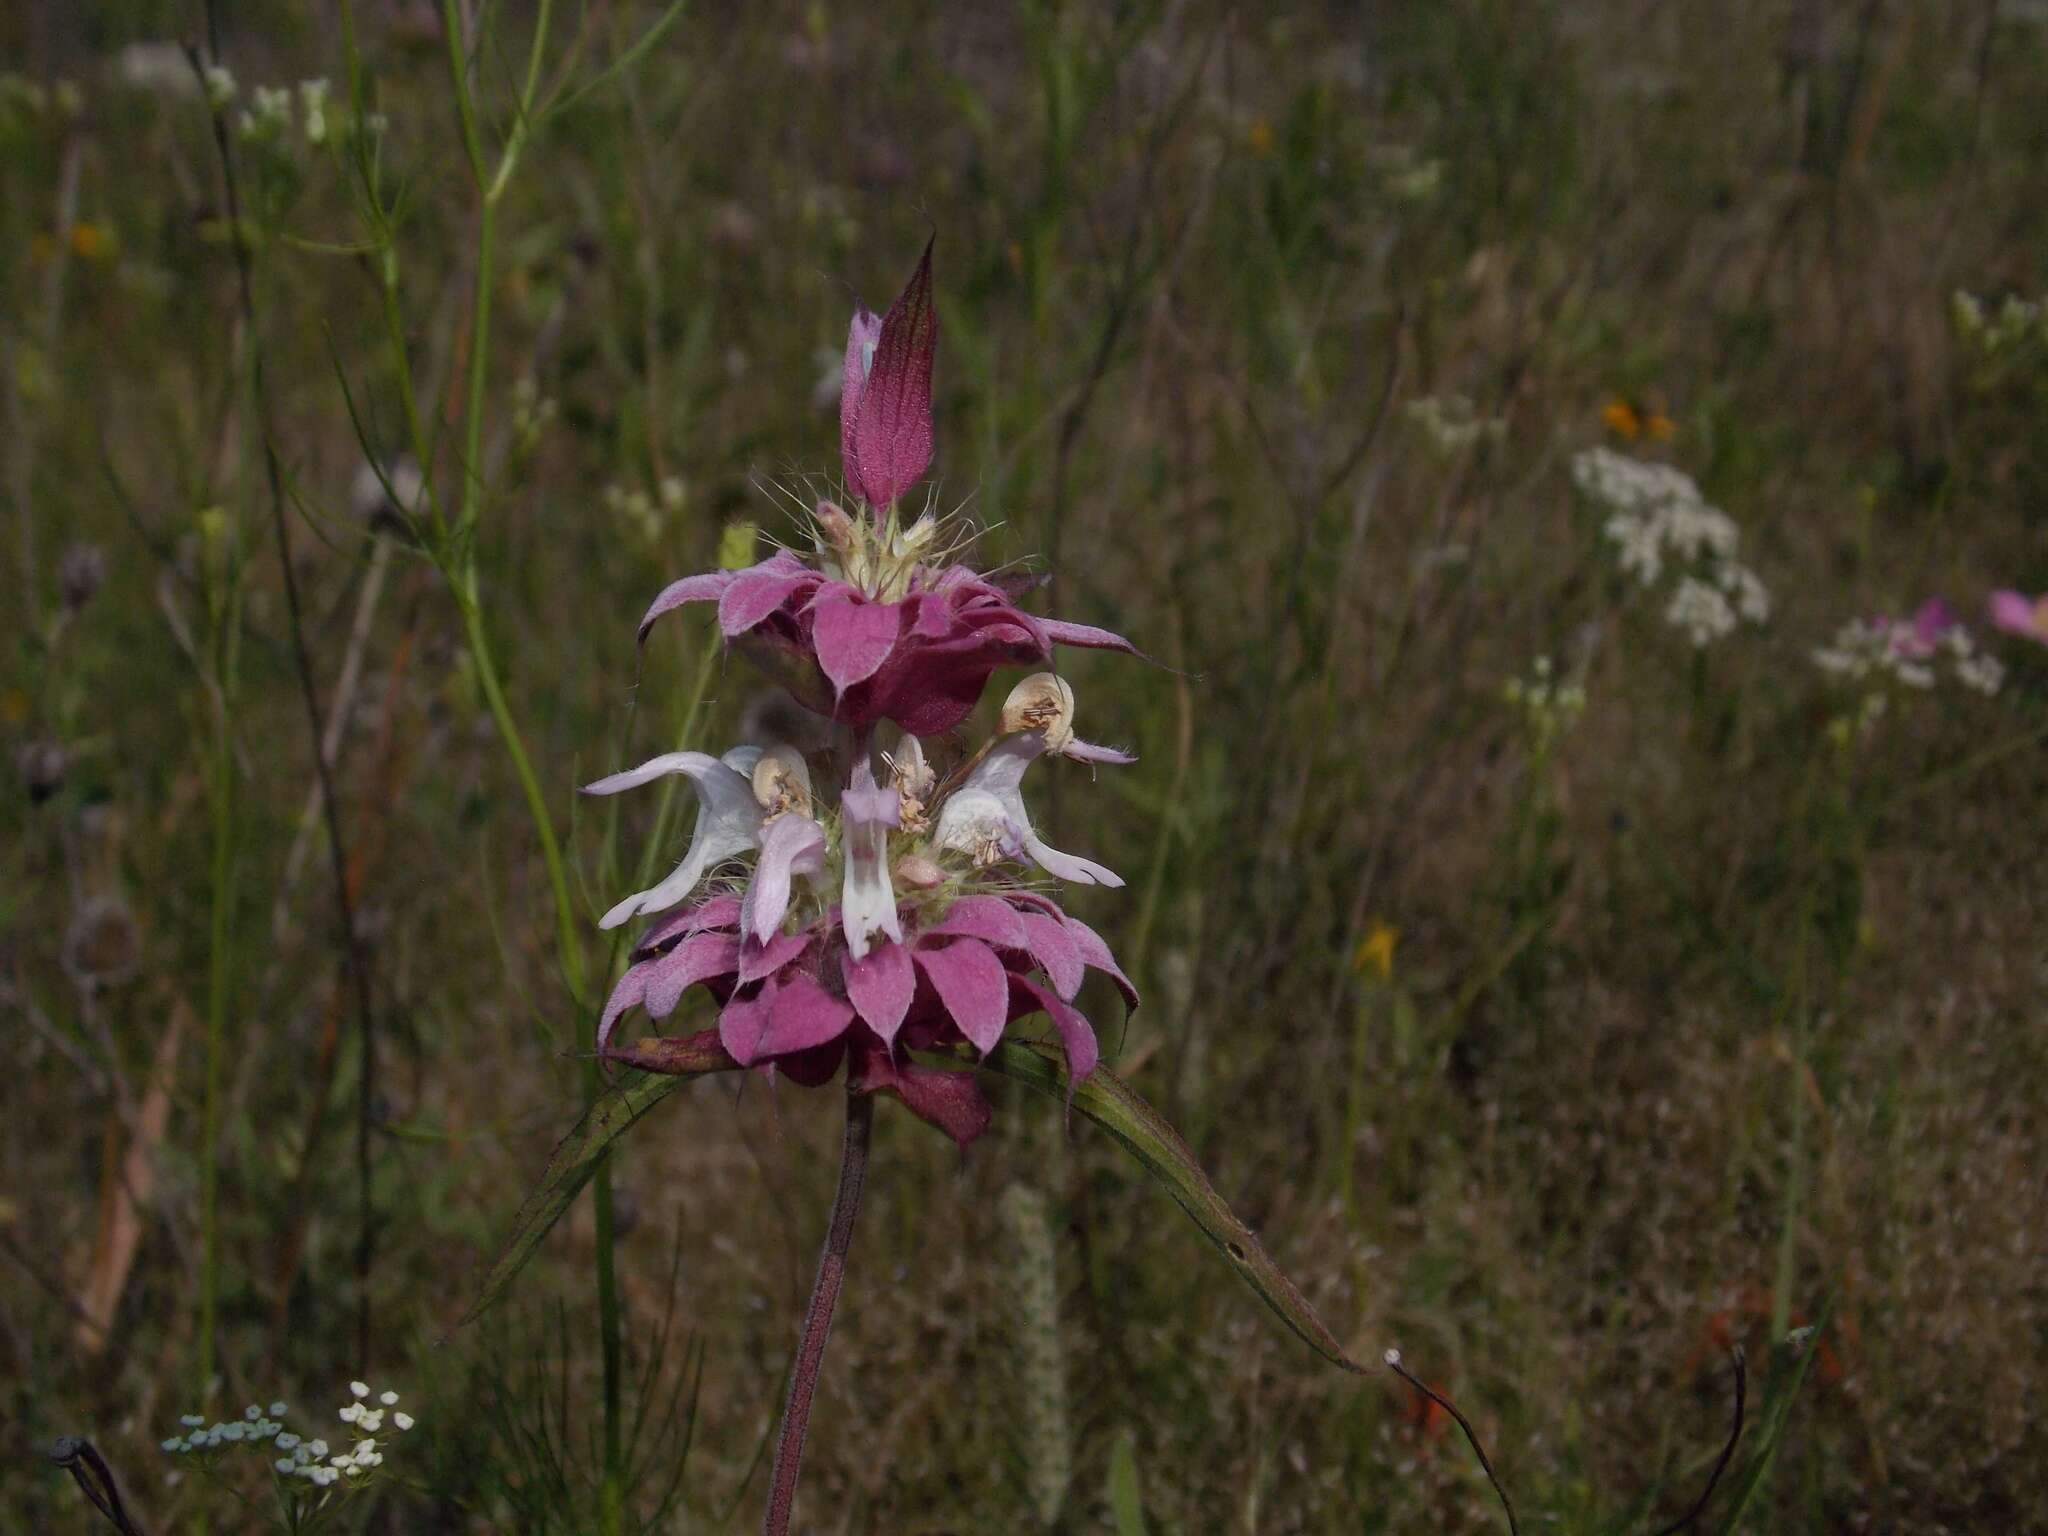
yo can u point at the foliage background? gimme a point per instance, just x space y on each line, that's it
1678 1029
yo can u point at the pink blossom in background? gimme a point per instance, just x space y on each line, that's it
2018 614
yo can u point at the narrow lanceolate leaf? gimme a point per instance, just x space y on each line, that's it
1110 1103
674 1060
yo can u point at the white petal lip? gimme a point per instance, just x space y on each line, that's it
1001 775
728 820
867 902
791 844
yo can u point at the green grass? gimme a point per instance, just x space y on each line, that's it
1709 1012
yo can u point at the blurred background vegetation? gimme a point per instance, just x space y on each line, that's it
1562 1043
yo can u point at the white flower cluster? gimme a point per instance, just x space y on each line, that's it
26 98
1549 708
309 1459
1657 518
647 516
2008 327
1451 423
1865 650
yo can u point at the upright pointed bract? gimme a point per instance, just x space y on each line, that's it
885 406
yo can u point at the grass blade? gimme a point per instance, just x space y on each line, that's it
676 1059
1107 1100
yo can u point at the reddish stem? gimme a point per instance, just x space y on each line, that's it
810 1355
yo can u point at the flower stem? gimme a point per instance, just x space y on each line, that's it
810 1355
459 563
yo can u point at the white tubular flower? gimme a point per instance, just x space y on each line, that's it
986 816
791 844
867 903
729 821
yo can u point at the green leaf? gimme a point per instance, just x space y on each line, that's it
671 1061
1110 1103
1786 1380
1126 1503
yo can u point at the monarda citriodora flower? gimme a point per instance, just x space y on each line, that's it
880 621
898 915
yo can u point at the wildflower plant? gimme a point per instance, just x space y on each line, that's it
311 1478
1661 526
1885 655
882 912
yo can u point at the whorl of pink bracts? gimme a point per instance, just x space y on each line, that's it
801 1005
921 661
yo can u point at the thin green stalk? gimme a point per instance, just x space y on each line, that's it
224 621
463 580
566 938
220 935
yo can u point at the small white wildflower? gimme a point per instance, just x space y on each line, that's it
351 1413
370 1420
317 1448
1746 591
192 1421
285 1465
1701 611
387 1398
232 1432
278 1410
313 98
1914 674
252 1413
1641 544
402 1420
287 1441
174 1446
220 85
1984 674
1451 423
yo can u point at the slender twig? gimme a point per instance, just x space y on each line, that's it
95 1479
352 951
1741 1362
810 1355
1393 1359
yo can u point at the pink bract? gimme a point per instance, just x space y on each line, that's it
801 1005
2018 614
885 399
921 661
